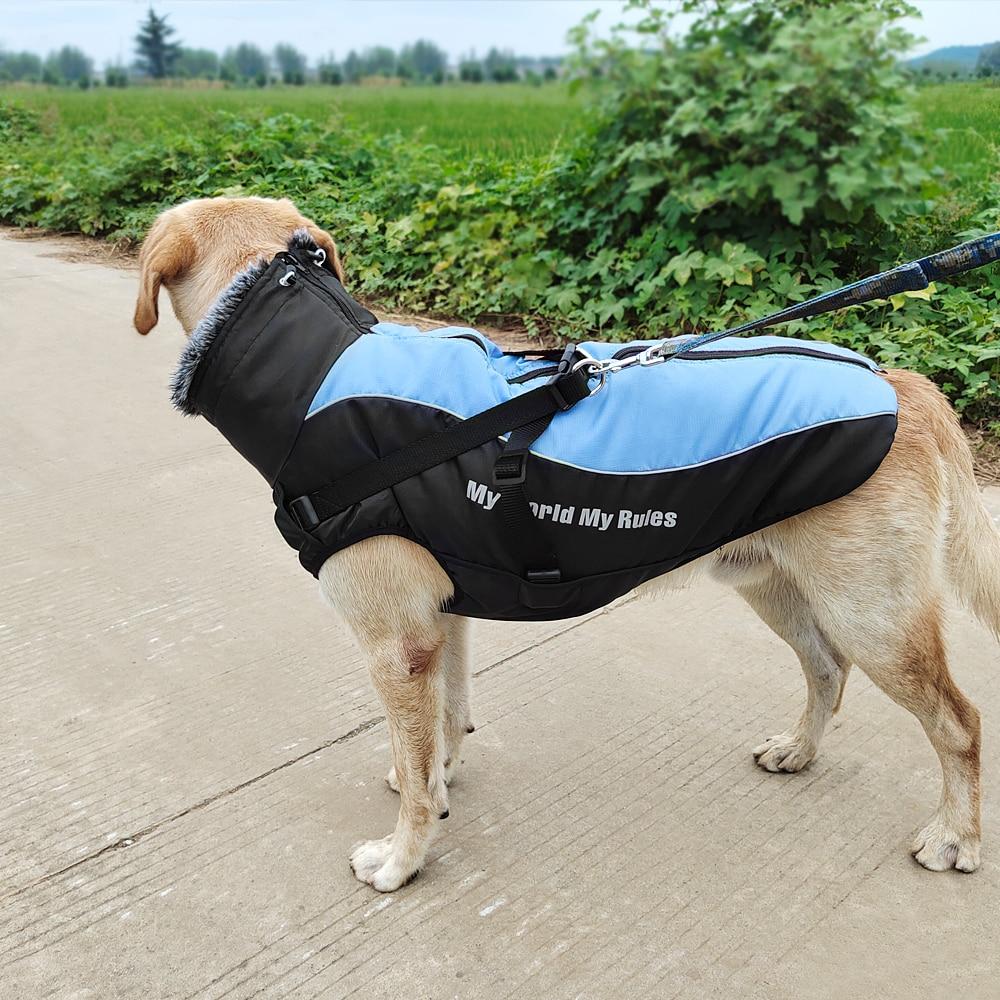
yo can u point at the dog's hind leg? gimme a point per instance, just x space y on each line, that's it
457 712
390 591
914 673
780 605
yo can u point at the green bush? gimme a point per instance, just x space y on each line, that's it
17 123
775 147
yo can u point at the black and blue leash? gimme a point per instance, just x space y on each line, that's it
909 277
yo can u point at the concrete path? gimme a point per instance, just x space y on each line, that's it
190 746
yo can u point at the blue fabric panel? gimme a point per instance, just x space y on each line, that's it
647 419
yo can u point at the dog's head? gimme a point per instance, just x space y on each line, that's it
196 249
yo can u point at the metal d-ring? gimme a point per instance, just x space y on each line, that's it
319 256
288 278
596 369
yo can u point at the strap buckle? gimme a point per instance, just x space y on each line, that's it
561 401
543 576
302 509
512 474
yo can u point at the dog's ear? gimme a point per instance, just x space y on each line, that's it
325 240
166 252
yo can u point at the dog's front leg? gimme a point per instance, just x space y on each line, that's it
457 712
389 591
408 678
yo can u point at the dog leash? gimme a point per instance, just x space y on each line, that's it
911 277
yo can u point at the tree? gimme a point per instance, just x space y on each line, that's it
329 72
353 67
422 60
989 58
379 61
20 66
157 53
470 71
247 62
68 65
500 66
197 64
116 76
291 63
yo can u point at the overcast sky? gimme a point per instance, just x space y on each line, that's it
105 28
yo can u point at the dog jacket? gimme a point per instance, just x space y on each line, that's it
542 493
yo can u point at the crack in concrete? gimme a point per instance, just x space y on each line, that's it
125 842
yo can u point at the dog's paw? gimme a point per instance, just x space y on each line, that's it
939 848
392 781
376 864
368 857
784 752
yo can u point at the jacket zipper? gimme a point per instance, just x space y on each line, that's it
751 352
548 370
340 300
469 337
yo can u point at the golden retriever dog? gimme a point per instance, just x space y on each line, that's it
861 580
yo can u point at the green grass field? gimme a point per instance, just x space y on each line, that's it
493 119
507 119
483 119
968 115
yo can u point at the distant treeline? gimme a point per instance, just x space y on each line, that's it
160 57
957 62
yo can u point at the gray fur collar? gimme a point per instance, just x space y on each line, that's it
204 334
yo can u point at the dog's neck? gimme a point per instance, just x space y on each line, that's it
211 323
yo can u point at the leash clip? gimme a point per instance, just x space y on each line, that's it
654 355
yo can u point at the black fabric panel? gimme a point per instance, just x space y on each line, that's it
256 387
710 505
481 592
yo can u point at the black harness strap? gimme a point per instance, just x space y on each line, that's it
525 533
563 392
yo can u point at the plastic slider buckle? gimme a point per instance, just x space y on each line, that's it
566 361
304 512
504 476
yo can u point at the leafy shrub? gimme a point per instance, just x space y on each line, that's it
773 147
17 123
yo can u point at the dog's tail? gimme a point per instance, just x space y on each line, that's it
973 539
